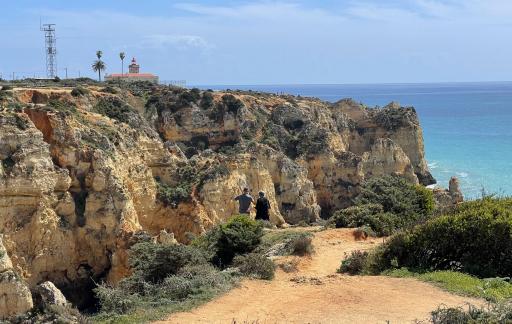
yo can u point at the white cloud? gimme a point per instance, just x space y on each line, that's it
182 42
262 11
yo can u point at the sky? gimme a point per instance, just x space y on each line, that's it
267 42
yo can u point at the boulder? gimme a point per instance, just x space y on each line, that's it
50 295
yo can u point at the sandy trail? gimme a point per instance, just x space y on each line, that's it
317 294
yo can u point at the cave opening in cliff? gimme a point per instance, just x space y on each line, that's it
80 292
80 199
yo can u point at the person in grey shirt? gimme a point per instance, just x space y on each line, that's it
244 200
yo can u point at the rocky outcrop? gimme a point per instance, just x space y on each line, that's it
83 177
448 198
15 296
50 295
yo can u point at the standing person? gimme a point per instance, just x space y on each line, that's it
262 207
244 202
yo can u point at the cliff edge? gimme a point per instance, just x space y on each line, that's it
86 172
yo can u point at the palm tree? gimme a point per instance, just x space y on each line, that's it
122 56
99 65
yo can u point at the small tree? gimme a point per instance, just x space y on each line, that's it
122 55
99 65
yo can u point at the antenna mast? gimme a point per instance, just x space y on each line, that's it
51 50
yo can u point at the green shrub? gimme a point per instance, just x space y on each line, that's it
387 204
50 314
397 196
153 262
115 108
192 285
232 103
240 235
110 89
301 245
285 242
188 177
207 101
79 92
355 263
115 300
6 87
364 232
172 196
472 239
492 313
255 265
369 215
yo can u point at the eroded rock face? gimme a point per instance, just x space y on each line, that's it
84 178
15 296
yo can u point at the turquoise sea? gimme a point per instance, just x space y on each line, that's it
467 127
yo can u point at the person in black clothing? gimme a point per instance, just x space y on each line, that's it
262 207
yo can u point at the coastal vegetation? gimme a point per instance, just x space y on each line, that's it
168 278
464 251
189 142
386 204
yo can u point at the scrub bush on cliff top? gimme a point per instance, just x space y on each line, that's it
240 235
387 204
115 108
255 265
475 238
163 275
179 277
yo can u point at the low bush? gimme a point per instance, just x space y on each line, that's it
397 196
232 103
473 239
240 235
387 204
191 285
51 314
153 262
173 195
79 92
110 89
364 232
207 101
115 108
355 263
188 177
115 300
285 243
301 245
163 275
492 313
255 265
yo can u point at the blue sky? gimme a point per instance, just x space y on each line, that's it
268 42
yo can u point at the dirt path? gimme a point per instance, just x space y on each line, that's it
317 294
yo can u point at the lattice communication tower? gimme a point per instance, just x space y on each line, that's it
51 50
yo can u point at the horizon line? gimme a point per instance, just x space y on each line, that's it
345 84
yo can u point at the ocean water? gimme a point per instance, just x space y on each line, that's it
467 127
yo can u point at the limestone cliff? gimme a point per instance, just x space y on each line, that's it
86 173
